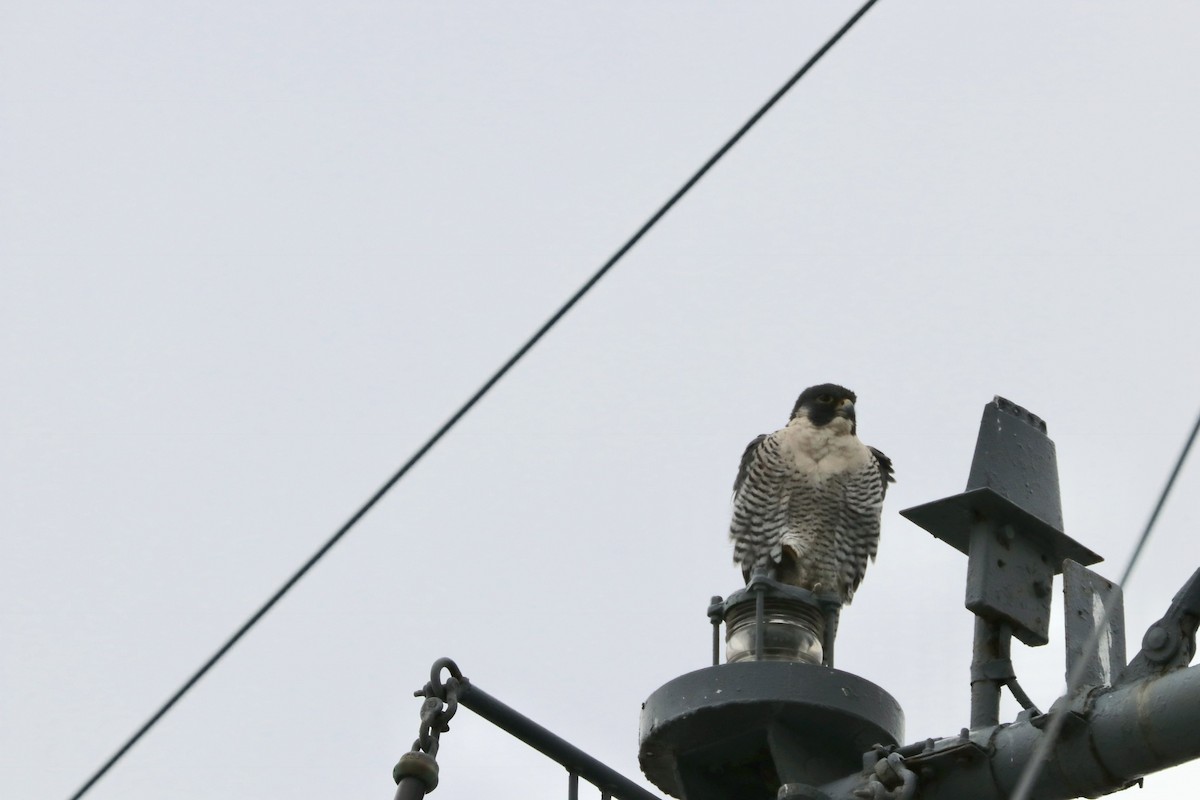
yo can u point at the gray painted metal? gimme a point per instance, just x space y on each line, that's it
989 657
1016 459
716 613
742 730
951 519
1086 595
1170 643
755 730
1127 732
415 775
410 789
1009 579
575 760
1014 474
1009 522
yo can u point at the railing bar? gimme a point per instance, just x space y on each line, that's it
575 760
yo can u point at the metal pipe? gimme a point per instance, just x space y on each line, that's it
603 777
1128 732
716 613
1149 726
760 632
985 690
410 788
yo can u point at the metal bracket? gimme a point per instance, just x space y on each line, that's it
1170 643
888 777
1092 601
934 760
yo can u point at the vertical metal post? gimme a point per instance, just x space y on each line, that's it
573 787
985 690
716 613
760 633
830 615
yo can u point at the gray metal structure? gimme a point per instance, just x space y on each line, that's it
759 729
1009 524
779 721
416 774
744 730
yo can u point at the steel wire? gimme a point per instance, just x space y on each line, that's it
467 406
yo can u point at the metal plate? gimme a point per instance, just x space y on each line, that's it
714 729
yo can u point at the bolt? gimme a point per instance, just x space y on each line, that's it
1156 639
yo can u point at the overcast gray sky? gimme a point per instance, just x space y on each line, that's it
253 254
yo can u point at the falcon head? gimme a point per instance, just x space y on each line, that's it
824 404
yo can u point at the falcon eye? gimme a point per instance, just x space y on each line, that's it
825 399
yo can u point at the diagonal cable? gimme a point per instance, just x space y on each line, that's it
1033 768
475 398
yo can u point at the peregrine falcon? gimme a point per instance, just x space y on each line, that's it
808 498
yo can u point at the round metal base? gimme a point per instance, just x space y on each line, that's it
742 730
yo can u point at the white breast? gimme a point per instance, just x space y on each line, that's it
828 450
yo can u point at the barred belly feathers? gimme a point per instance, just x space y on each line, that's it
808 498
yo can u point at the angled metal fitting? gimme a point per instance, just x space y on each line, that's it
1170 643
